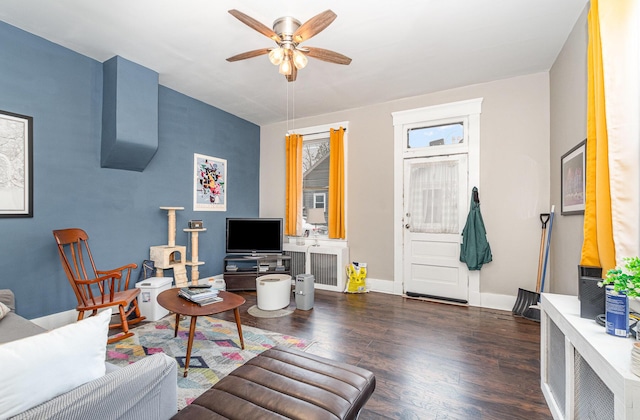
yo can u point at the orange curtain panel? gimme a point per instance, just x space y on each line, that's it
336 184
293 210
598 246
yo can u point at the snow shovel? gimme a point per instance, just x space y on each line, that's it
527 298
533 311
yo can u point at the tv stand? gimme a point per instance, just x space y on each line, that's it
241 271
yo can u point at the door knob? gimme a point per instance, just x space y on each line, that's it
407 226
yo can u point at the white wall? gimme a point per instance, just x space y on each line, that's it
568 78
514 177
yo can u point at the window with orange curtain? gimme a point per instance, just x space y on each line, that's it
316 157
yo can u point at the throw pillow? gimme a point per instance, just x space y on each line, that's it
7 297
38 368
4 310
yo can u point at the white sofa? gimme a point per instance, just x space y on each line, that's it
146 389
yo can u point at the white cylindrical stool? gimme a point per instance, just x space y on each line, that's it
274 291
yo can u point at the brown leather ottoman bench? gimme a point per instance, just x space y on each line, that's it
285 383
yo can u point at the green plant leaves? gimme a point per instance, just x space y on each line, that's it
627 280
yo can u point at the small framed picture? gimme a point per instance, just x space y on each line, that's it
573 176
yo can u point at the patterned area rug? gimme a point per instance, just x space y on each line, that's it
216 350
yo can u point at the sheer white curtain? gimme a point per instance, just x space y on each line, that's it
620 35
433 197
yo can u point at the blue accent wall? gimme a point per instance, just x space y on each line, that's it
119 209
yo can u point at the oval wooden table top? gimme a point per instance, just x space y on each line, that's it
170 300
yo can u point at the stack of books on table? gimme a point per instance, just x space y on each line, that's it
201 296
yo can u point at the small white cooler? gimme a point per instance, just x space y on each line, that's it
148 298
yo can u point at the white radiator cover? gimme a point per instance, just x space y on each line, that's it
326 263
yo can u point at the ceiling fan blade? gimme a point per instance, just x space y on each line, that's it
313 26
326 55
254 24
249 54
294 73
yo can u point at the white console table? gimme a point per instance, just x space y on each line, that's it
585 373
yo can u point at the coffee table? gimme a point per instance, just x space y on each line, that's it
170 300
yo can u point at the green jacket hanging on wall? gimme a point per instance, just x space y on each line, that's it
474 249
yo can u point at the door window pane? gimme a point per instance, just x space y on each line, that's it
433 197
436 135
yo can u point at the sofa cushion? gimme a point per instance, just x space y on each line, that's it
4 310
38 368
14 327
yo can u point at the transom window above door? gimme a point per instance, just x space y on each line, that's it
436 135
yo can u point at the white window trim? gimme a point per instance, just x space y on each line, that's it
469 111
319 132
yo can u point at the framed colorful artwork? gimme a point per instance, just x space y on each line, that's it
209 183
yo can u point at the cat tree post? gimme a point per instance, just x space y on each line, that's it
194 263
170 256
171 231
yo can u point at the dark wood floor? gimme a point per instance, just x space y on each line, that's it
431 360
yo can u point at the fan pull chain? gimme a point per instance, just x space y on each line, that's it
289 123
293 105
293 108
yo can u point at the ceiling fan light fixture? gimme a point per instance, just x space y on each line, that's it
276 56
300 60
285 67
288 33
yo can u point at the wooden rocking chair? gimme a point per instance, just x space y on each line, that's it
97 289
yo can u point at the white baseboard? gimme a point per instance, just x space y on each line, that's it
485 300
381 286
494 301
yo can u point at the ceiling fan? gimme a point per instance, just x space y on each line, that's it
288 33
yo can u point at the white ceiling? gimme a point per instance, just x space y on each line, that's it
399 49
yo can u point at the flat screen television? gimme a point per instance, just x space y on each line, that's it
254 236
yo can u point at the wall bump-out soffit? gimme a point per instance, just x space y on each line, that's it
129 115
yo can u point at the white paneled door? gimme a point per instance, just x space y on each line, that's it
435 211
